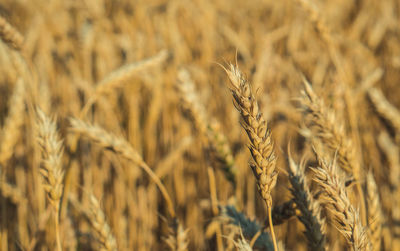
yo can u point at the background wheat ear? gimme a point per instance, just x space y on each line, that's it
10 35
11 130
345 217
177 239
98 221
52 171
206 126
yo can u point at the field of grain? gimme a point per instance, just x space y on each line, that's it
199 125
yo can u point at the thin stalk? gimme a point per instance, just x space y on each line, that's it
271 227
57 228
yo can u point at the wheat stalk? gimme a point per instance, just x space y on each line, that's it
52 171
261 145
282 212
121 147
11 130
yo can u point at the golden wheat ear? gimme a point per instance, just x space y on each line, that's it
334 197
261 143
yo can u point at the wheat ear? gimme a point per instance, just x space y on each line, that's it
121 147
177 237
374 211
261 145
52 171
10 35
120 76
392 154
345 218
13 193
331 133
11 130
98 221
328 129
217 140
384 108
309 208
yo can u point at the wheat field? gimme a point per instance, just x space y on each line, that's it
199 125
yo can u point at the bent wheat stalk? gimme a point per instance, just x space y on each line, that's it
121 147
261 145
120 76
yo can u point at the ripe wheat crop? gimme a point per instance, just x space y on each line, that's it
199 125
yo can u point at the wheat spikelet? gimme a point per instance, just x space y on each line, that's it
10 35
374 213
309 208
345 218
98 221
11 130
261 145
217 140
384 108
121 147
243 245
177 239
52 171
